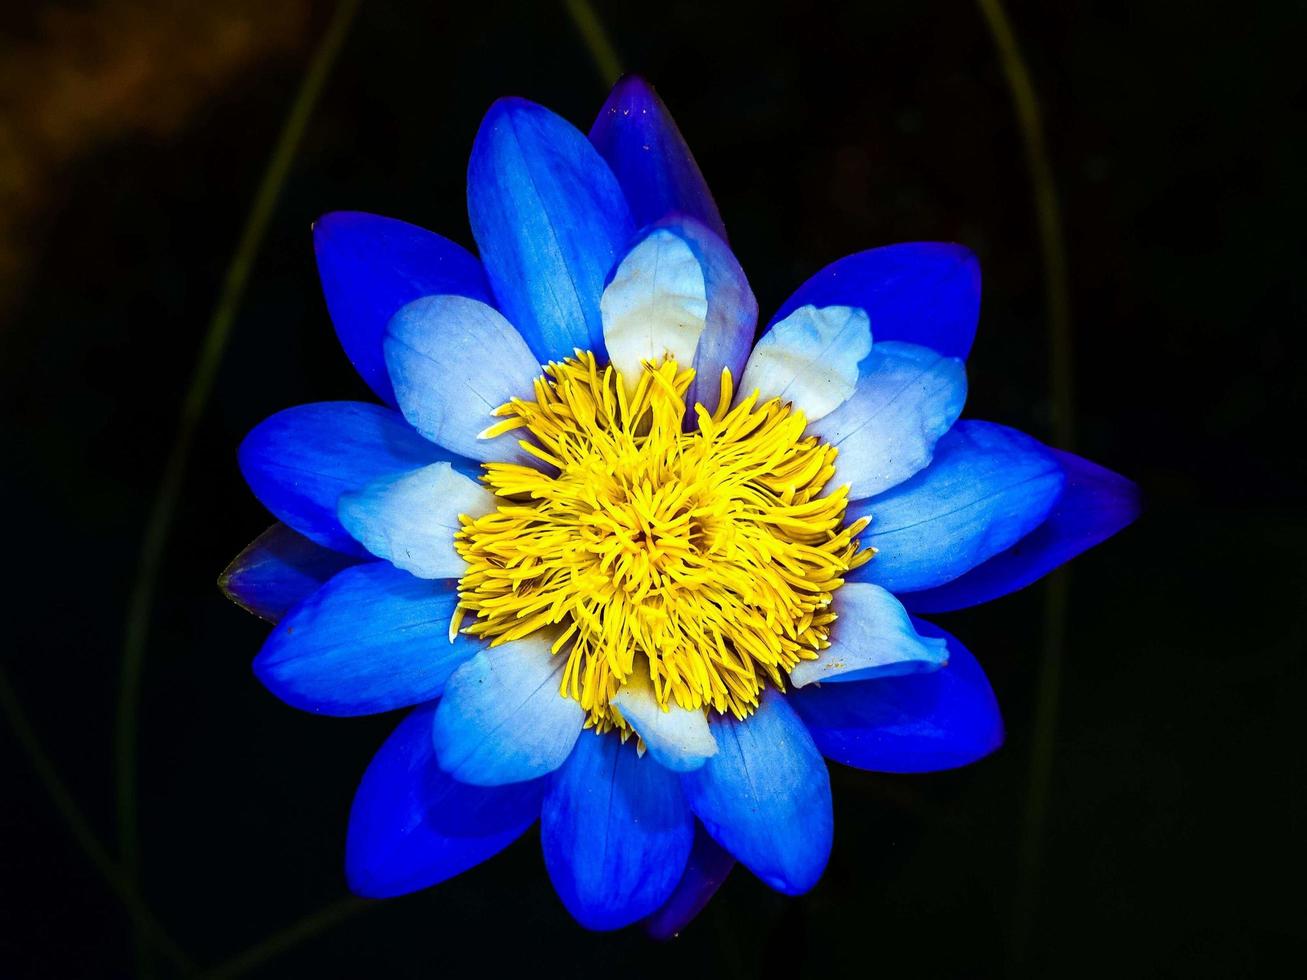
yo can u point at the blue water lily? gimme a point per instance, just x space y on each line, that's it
635 575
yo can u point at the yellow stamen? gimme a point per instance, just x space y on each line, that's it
706 558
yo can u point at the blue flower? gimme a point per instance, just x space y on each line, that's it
635 575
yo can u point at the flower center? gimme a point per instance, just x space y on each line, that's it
702 558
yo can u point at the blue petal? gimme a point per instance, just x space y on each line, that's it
765 796
810 358
916 723
502 719
872 638
550 221
411 519
454 361
926 293
907 398
732 311
616 833
277 570
635 133
677 738
706 869
299 461
412 826
987 488
371 266
370 640
1093 506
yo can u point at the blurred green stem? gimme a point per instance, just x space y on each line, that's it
146 924
294 934
159 523
1061 382
596 39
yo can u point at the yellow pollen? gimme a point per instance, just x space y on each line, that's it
703 556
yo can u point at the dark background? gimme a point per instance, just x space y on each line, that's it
133 138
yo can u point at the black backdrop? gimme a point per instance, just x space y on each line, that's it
1176 135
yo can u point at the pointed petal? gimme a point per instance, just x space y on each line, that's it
705 871
372 639
917 723
925 293
278 569
412 826
765 796
907 398
1093 506
732 316
616 833
299 461
810 358
635 133
987 488
411 519
872 638
453 361
502 719
550 221
656 305
371 266
677 738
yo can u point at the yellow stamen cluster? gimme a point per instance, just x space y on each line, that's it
706 558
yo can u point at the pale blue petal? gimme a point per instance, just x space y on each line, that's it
453 361
411 519
987 488
502 719
765 796
678 738
299 461
616 833
655 306
872 638
372 639
550 221
810 358
413 826
907 397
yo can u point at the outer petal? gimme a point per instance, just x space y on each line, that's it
616 833
370 640
917 723
872 638
550 221
732 311
926 293
277 570
657 304
677 738
765 796
635 133
707 868
411 519
502 719
1094 505
453 361
299 461
907 397
371 266
412 826
810 358
988 487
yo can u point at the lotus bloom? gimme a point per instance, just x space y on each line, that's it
634 574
